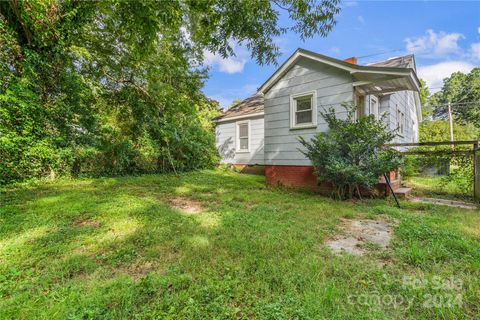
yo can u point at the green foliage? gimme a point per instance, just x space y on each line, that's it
350 154
424 95
435 186
463 92
412 165
115 248
234 102
456 168
461 174
114 87
439 130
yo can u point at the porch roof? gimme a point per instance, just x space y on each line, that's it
381 82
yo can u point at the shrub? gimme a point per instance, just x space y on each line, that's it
350 155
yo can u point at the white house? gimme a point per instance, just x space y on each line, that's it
262 131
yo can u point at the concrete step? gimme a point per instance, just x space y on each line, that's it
397 183
402 192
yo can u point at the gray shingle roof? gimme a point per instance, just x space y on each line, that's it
398 62
254 104
251 105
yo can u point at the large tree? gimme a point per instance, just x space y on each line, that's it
113 87
462 92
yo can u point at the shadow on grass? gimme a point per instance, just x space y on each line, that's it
254 252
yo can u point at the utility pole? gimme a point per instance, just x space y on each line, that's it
450 122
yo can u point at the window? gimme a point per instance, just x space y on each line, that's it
243 136
303 110
374 106
400 122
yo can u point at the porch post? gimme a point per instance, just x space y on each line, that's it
476 171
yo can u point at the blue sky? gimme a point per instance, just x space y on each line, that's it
443 35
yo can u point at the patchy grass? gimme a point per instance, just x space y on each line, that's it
122 248
432 187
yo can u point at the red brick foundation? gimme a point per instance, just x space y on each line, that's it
291 176
295 176
304 177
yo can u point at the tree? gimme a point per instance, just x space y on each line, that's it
424 95
462 91
350 155
114 87
234 102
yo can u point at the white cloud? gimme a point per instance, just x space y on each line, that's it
435 44
434 74
350 3
335 50
478 29
228 65
475 51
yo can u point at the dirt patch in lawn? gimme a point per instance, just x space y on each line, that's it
186 205
358 235
86 222
137 271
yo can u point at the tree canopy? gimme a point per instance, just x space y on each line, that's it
114 87
462 91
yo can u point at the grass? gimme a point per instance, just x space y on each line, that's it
114 248
433 186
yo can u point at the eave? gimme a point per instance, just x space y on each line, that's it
371 74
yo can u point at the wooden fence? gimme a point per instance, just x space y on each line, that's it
473 151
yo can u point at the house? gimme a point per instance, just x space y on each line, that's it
262 131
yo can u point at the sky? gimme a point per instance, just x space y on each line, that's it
443 35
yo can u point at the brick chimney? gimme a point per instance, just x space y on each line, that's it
352 60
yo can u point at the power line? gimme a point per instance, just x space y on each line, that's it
455 104
379 53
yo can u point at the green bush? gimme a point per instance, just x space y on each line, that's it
350 155
412 166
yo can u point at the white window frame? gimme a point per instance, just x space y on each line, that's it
237 133
373 99
293 108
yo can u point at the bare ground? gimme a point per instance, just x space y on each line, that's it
358 233
188 206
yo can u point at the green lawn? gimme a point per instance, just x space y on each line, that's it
432 186
114 248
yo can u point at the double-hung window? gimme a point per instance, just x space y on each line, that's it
303 110
243 136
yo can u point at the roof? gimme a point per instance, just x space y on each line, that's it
248 107
407 61
357 71
391 75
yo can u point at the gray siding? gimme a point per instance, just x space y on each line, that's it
226 137
273 142
332 86
405 102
